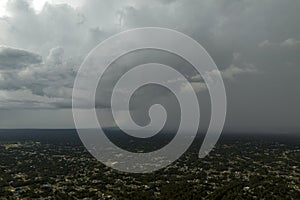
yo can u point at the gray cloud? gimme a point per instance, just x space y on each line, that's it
254 43
36 84
11 58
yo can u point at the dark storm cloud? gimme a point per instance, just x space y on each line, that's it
11 58
255 44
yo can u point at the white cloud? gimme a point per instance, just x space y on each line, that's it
265 43
230 73
290 42
233 71
197 87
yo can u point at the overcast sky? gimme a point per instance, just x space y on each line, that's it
255 44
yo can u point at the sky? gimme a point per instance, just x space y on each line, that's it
255 44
